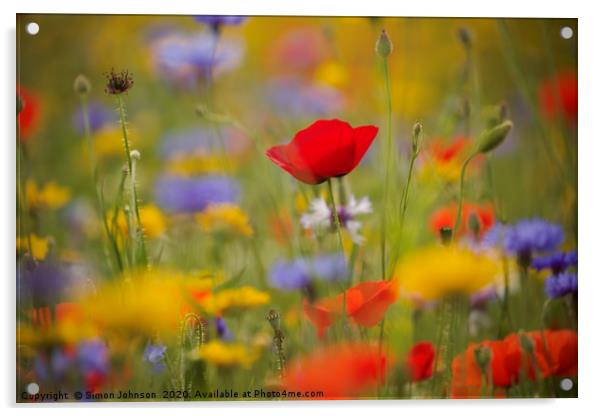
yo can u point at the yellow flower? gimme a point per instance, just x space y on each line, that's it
226 355
225 217
50 195
188 165
436 272
108 141
232 300
332 73
39 246
153 221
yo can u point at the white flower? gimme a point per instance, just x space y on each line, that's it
320 216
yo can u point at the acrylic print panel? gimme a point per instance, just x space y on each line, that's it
295 208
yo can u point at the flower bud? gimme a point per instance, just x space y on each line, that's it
493 137
274 319
135 154
526 342
416 137
474 224
82 85
383 45
465 37
446 235
482 356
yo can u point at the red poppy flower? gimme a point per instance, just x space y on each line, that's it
340 371
326 149
445 217
558 96
367 304
420 361
444 152
29 115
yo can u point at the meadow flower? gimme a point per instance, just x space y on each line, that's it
153 221
331 73
324 150
202 141
39 246
223 332
447 157
48 196
559 285
297 98
555 262
215 22
190 195
297 274
340 371
444 217
29 115
224 217
99 116
366 305
234 300
224 354
107 141
154 354
436 272
321 217
118 82
558 96
185 59
420 360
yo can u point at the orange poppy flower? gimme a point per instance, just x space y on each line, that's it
420 361
558 96
339 371
367 304
446 216
444 152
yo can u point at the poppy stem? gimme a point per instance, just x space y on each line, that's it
461 197
387 157
335 215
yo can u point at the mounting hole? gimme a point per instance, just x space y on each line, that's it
32 28
566 32
33 388
566 384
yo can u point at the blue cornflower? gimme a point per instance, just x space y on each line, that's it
297 274
184 59
223 332
93 357
189 195
154 354
557 262
562 284
99 115
45 283
291 97
217 21
203 141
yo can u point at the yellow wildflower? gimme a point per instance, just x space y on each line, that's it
108 141
188 165
39 246
231 300
436 272
225 217
153 221
226 355
332 73
50 195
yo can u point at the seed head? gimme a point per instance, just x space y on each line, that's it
118 83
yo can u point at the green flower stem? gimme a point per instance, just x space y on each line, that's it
388 160
124 131
461 197
335 214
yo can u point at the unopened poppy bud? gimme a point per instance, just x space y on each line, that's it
416 137
383 45
82 85
493 137
482 356
526 342
465 37
446 235
273 317
474 224
135 154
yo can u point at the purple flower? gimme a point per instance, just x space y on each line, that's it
290 275
559 285
292 97
154 354
189 195
557 262
223 332
99 116
93 357
202 141
217 21
330 267
43 284
184 59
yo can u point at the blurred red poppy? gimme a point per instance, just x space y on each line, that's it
558 96
444 217
367 304
444 152
554 354
30 113
326 149
420 361
339 371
